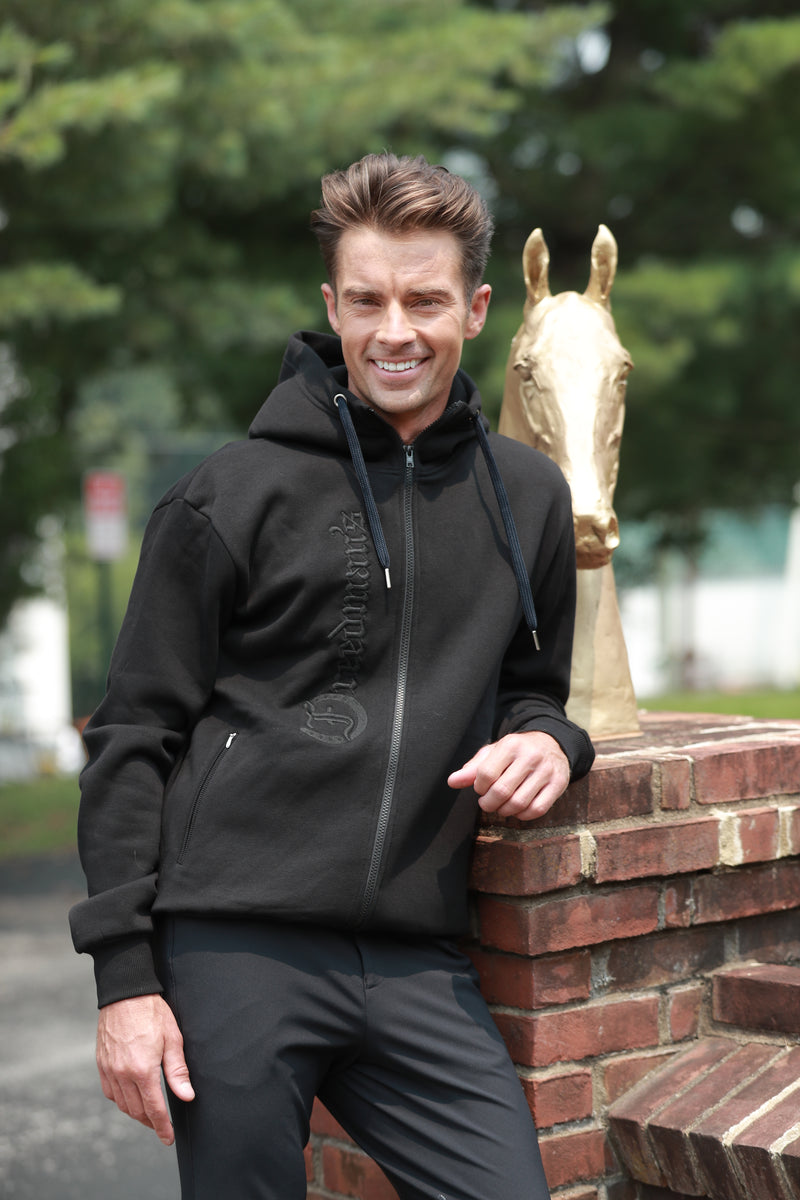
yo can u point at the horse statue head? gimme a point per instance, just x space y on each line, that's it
565 389
565 395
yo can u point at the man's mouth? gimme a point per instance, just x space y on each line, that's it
408 365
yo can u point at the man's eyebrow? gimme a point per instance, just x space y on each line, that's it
432 293
415 293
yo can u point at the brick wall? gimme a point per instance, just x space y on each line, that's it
599 928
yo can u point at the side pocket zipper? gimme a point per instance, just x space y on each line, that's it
209 775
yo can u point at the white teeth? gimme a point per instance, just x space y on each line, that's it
398 366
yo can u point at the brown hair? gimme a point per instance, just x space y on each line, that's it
398 195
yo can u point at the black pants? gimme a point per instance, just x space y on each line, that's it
392 1034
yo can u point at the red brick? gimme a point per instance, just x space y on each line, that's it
593 1029
559 1098
668 957
758 830
746 771
353 1174
746 892
517 868
534 982
570 1157
679 904
621 1074
750 1149
324 1125
761 996
790 1161
771 1069
565 924
792 824
579 1193
616 788
629 1116
774 937
668 1128
308 1155
674 848
676 783
685 1004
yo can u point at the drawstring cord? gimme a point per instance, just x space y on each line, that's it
523 583
381 549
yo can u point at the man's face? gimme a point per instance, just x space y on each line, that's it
401 312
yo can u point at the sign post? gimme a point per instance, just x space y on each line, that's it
105 509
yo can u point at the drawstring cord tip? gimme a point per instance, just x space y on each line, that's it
388 579
535 639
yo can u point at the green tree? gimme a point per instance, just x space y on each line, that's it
158 161
676 125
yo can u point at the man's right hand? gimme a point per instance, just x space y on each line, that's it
135 1039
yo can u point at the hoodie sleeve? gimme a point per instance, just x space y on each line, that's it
534 684
161 675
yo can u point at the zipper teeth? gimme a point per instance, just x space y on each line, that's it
399 704
201 791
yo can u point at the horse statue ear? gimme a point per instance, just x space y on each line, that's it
604 267
535 262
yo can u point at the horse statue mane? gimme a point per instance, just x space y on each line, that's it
565 395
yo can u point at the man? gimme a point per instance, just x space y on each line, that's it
330 623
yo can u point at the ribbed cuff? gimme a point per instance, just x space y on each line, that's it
123 969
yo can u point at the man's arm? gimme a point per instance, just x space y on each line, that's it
135 1039
521 775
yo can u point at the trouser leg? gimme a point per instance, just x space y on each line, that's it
264 1010
433 1096
392 1034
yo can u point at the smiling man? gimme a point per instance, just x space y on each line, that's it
348 635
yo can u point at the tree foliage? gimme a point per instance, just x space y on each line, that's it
158 161
159 158
680 134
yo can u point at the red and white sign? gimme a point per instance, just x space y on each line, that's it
105 508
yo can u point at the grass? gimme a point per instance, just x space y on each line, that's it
38 816
766 703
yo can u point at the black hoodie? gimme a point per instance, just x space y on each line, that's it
279 724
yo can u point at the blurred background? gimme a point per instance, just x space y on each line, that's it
158 162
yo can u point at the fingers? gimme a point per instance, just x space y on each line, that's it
133 1038
522 775
465 776
176 1071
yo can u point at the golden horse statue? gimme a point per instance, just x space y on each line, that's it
565 395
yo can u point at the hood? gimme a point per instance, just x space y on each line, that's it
313 406
301 408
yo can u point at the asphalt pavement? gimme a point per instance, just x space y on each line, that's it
60 1139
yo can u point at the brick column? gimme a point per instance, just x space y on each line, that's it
597 929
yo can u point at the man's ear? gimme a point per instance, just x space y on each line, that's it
330 304
477 311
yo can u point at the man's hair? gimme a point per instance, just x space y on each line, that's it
401 195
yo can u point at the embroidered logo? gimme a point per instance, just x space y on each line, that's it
336 716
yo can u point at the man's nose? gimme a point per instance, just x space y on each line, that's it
395 327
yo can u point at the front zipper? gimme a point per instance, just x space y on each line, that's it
379 843
205 782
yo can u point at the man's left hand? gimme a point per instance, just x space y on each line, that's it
522 775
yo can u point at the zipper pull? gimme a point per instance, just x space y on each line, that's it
409 457
230 740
